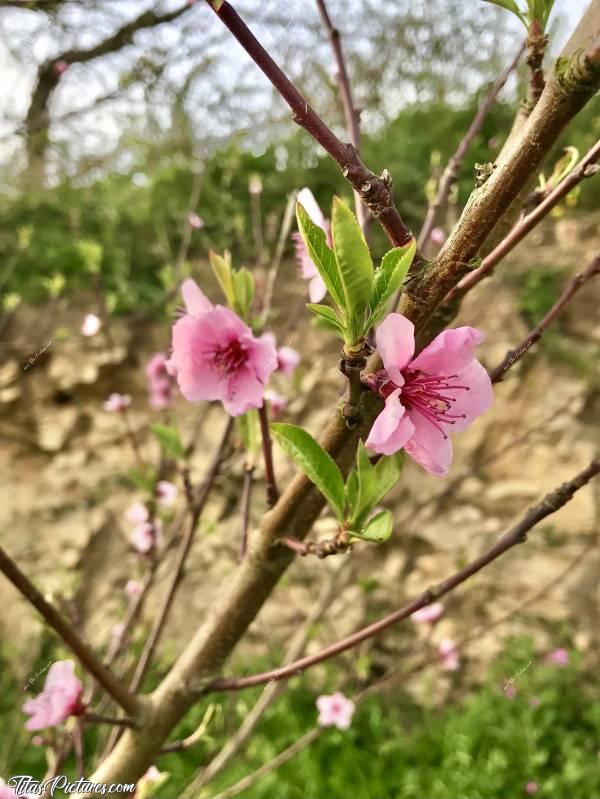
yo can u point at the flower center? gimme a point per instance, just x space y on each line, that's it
432 396
230 358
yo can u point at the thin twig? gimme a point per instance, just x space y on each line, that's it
284 232
99 718
191 740
580 279
584 169
130 703
517 535
274 689
272 490
182 555
374 191
450 174
350 114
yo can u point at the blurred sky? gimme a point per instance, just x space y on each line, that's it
17 78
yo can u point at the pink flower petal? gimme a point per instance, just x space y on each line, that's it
428 447
195 301
392 428
476 400
395 338
245 391
316 288
60 698
450 352
428 614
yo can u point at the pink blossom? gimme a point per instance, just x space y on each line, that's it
316 287
6 792
287 360
137 513
216 356
442 388
133 589
117 402
438 236
335 710
194 221
118 631
510 691
91 325
60 67
449 655
559 657
276 401
166 493
531 787
60 698
36 740
428 614
160 382
535 701
146 536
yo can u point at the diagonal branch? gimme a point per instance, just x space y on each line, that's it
374 191
592 271
517 535
131 704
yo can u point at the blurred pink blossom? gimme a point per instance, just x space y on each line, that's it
449 655
137 513
428 614
146 536
133 589
535 701
287 360
60 698
531 787
335 710
117 402
316 287
118 631
91 325
194 221
216 356
160 382
558 657
438 236
60 67
510 691
276 401
444 388
166 493
6 792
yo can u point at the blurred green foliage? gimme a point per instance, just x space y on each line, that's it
483 745
123 233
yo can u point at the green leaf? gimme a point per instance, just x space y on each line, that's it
169 440
509 5
221 266
388 471
142 478
243 291
322 256
316 464
354 262
328 315
372 483
351 492
378 529
389 277
365 473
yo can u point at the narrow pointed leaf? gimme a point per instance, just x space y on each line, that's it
321 255
243 290
509 5
378 529
389 277
353 259
328 315
317 465
221 267
365 474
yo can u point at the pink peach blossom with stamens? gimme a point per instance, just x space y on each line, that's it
216 356
443 389
316 287
60 698
335 710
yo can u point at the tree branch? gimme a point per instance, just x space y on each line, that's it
593 270
374 191
517 535
131 704
450 174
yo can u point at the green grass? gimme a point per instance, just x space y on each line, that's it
480 747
